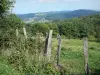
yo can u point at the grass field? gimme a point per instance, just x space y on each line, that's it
72 58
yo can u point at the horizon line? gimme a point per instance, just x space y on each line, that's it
54 11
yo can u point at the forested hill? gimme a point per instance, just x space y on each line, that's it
87 26
57 14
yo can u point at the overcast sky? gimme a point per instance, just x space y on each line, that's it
33 6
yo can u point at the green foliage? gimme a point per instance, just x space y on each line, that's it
5 6
8 26
5 68
87 26
39 28
27 57
80 27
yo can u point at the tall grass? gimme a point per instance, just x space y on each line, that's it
26 56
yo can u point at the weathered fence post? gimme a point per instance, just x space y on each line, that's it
58 49
17 33
86 56
46 42
48 45
25 34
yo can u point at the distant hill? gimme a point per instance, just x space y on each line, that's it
56 15
26 16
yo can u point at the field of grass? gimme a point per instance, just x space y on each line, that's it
72 58
5 68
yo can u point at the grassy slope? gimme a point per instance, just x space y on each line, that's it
72 56
5 68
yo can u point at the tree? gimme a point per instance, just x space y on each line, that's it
8 26
39 28
5 6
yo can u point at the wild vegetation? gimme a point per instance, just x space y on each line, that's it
25 56
87 26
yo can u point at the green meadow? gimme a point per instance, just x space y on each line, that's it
71 58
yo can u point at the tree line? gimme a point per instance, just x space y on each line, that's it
85 26
77 28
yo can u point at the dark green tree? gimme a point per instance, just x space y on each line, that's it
5 6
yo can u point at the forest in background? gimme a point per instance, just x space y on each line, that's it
76 28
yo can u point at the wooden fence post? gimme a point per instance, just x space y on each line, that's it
25 34
46 42
48 45
86 56
17 33
58 49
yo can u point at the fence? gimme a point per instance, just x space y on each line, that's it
48 48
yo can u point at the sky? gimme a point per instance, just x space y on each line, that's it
34 6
